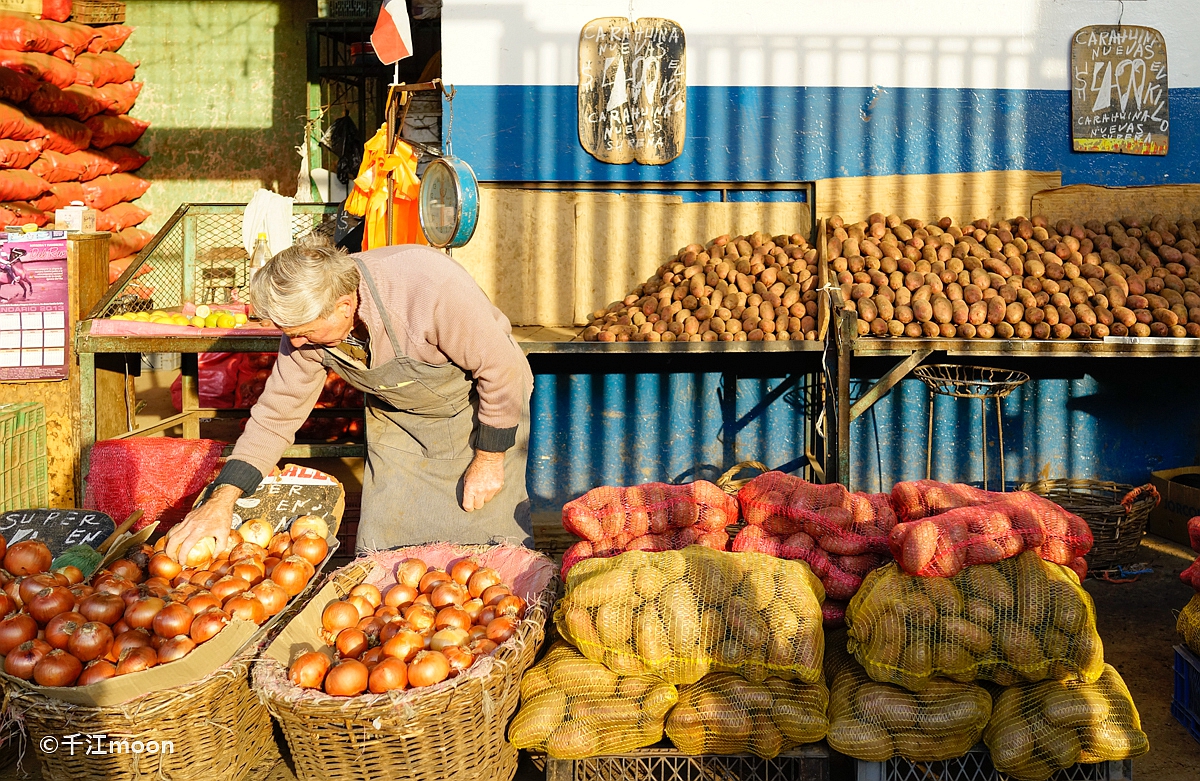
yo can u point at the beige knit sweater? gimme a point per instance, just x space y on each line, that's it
438 315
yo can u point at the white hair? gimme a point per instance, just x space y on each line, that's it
302 284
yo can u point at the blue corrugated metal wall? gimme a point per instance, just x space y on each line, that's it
625 429
1116 423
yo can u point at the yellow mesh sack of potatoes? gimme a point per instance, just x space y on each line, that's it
875 722
1019 620
723 713
572 707
1188 625
679 615
1037 729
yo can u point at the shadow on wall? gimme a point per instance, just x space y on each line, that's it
1118 422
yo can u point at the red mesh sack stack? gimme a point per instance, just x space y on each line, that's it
841 535
337 394
162 476
65 98
947 527
1191 575
651 517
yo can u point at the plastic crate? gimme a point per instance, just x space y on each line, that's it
807 763
976 765
24 479
98 12
1185 705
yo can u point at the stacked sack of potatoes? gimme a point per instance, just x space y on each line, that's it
1019 278
1022 626
65 129
721 651
735 289
841 535
1188 624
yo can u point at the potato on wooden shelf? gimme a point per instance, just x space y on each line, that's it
1019 278
736 289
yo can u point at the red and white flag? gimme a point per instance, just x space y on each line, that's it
392 38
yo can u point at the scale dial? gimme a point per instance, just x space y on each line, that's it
449 202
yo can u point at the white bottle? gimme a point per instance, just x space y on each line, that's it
262 253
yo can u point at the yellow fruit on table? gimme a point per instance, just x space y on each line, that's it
142 317
225 320
203 311
179 319
210 320
198 322
240 318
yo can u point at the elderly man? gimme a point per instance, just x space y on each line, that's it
447 395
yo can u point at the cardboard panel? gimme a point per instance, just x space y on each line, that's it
1083 202
965 197
620 244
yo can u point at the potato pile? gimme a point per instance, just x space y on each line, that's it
681 614
1020 278
875 722
744 288
724 713
572 707
1022 619
1039 729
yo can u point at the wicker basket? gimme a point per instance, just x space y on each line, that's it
1116 514
454 730
216 729
97 12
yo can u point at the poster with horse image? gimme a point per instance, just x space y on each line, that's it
33 306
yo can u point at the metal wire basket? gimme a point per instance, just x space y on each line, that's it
970 382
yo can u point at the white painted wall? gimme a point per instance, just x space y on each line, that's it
982 44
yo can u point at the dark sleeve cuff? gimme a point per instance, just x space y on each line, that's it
239 473
495 440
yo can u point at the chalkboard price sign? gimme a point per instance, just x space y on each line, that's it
59 529
632 90
281 499
1119 90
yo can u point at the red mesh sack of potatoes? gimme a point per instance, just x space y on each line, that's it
63 134
111 38
56 10
60 195
107 191
19 154
16 87
17 125
21 186
96 70
840 522
24 33
56 167
41 66
121 96
121 216
78 38
1191 575
841 575
107 131
21 213
124 158
650 517
128 241
979 527
76 101
92 164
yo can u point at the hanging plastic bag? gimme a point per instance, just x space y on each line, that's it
368 199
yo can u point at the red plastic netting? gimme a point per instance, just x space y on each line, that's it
650 517
841 575
838 521
159 475
1191 575
948 527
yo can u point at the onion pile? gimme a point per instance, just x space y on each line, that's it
431 625
145 609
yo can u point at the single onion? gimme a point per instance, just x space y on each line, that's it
431 578
309 523
459 658
227 586
246 607
428 668
369 593
30 587
493 595
60 628
421 617
512 606
347 678
308 670
483 579
351 643
99 670
452 618
272 596
72 573
93 640
257 531
202 601
293 574
105 608
15 629
400 595
28 557
482 647
403 645
446 594
57 668
126 569
173 620
448 637
208 624
388 675
310 547
463 570
163 566
49 603
410 571
135 660
501 629
175 648
20 661
247 550
140 615
362 606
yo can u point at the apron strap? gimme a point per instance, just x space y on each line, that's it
383 315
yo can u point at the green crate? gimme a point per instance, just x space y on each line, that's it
24 477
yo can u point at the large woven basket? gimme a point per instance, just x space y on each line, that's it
1116 514
216 729
454 730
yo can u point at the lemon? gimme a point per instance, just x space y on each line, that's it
198 322
142 317
225 320
203 311
179 319
240 318
210 320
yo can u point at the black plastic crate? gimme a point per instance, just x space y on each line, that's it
807 763
976 765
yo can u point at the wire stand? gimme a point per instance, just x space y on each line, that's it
970 382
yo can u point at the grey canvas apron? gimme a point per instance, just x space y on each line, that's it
421 430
